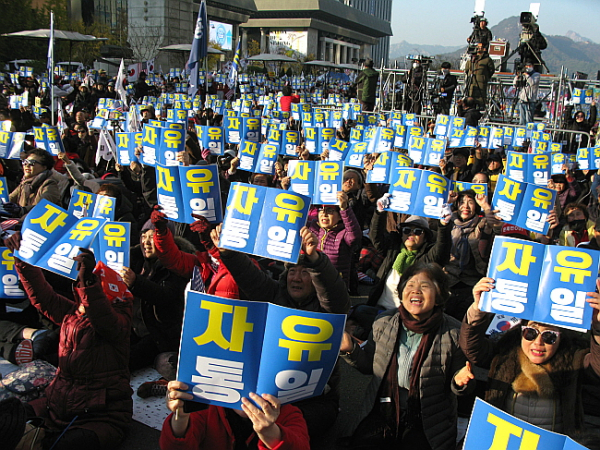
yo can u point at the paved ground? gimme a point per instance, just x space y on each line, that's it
353 385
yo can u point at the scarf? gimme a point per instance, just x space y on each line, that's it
389 385
31 185
461 250
404 260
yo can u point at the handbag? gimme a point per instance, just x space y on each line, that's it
28 382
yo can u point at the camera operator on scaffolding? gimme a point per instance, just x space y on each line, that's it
479 70
481 34
527 82
443 92
531 44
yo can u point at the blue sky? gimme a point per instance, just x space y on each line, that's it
446 22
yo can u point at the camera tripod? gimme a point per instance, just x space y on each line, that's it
538 56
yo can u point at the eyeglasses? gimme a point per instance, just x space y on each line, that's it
415 231
328 210
548 336
580 116
80 131
30 162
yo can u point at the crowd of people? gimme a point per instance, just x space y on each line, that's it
419 335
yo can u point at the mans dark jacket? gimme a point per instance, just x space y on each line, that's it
575 141
366 84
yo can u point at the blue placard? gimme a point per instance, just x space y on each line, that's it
251 129
400 140
201 193
230 348
290 140
492 428
459 186
168 192
42 226
150 144
442 125
419 192
416 149
523 204
172 141
328 182
547 284
404 183
232 127
356 155
264 221
530 168
324 135
381 169
338 150
248 155
483 138
267 156
126 145
311 140
381 140
9 280
59 258
302 177
113 244
3 190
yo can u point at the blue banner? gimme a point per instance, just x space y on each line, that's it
264 222
112 245
3 190
290 140
530 168
230 348
547 284
172 141
338 150
87 204
419 192
492 428
201 193
9 280
523 204
211 138
150 144
356 155
168 192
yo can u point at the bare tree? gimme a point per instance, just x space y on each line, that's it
145 39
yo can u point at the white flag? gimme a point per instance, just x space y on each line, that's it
106 147
119 83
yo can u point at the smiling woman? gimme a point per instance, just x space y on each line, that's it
413 354
39 182
535 370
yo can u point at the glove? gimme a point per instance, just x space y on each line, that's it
13 242
446 213
383 202
159 220
86 262
201 225
13 209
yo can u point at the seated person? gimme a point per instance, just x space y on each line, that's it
313 284
89 403
269 425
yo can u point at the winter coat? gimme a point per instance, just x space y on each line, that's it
219 282
481 70
210 429
511 371
575 141
92 381
367 85
31 191
339 242
390 245
437 390
160 296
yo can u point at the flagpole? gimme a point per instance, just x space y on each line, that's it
51 68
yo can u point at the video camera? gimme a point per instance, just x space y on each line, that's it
476 19
424 60
527 18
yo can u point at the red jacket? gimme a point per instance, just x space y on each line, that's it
210 430
219 282
92 381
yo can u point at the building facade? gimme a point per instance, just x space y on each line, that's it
340 31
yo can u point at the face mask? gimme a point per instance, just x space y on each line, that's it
528 69
577 225
445 72
415 65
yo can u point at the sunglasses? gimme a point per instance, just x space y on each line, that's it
328 210
30 162
548 337
415 231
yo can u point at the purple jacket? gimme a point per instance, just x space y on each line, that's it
339 242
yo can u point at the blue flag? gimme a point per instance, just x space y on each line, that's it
199 49
235 65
